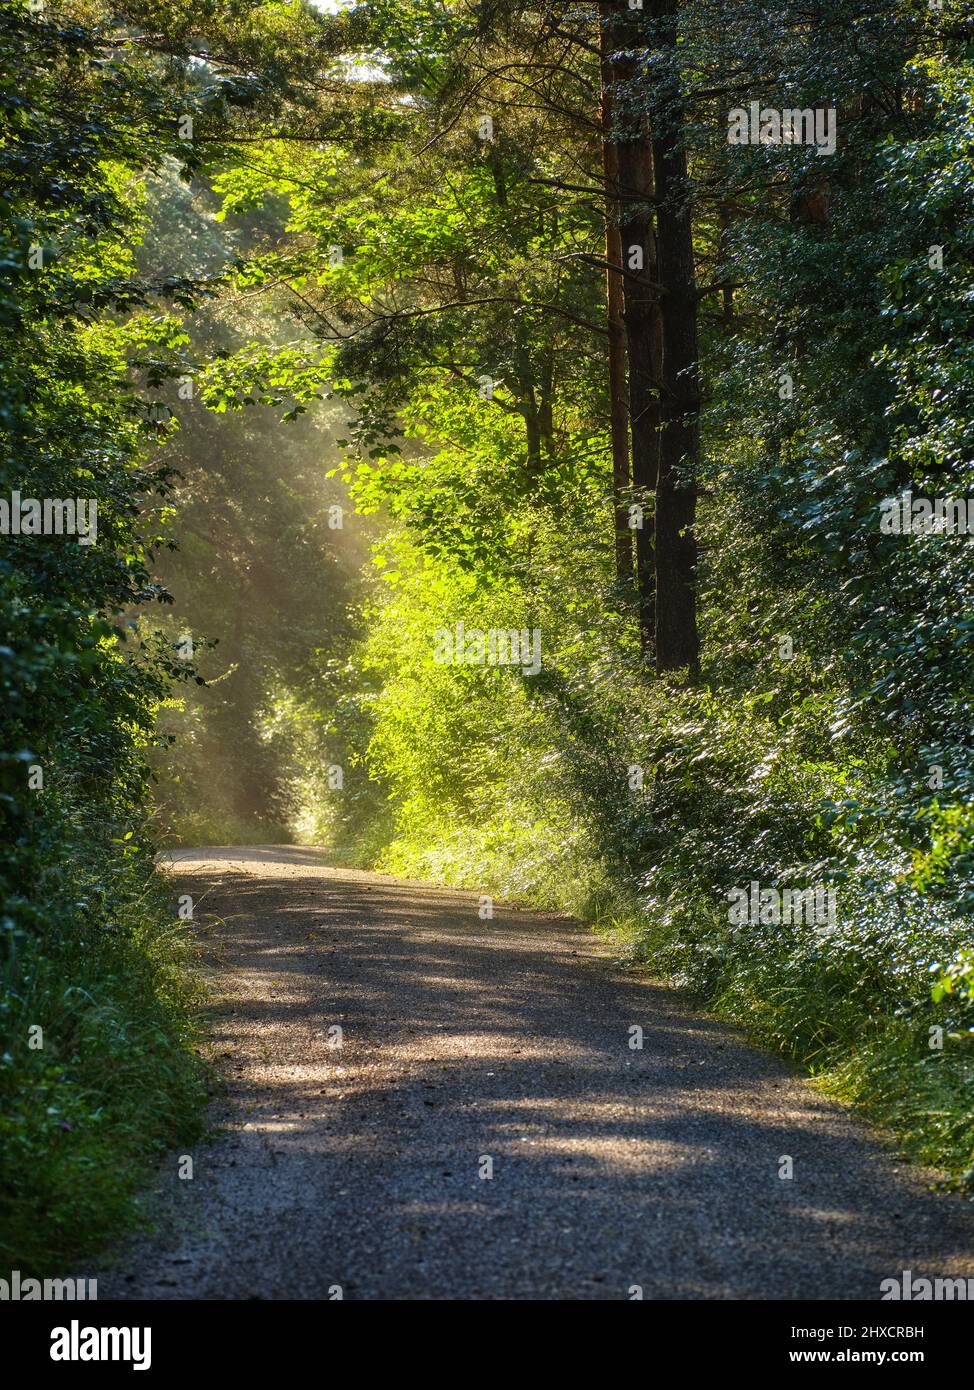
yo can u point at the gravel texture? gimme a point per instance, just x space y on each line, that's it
463 1040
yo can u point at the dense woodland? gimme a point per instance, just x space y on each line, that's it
363 321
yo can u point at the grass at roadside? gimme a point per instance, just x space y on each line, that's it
99 1072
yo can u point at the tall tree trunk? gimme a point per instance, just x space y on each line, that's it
535 418
725 217
614 301
641 316
677 639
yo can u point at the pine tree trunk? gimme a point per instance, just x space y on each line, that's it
618 393
677 639
641 317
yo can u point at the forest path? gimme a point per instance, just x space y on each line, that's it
508 1038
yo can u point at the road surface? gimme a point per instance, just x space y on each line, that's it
486 1131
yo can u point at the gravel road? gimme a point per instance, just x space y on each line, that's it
472 1046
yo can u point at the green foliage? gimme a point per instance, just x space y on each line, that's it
88 953
107 975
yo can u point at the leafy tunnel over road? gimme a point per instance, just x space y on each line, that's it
465 1039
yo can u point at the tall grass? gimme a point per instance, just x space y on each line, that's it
113 1079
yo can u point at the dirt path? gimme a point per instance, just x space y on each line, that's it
509 1040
